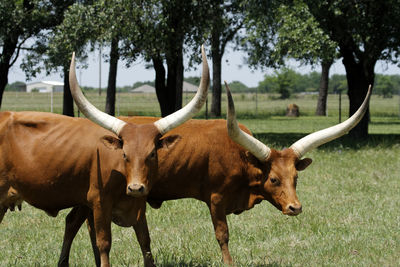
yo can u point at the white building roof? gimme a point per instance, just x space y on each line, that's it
187 87
48 82
145 88
45 86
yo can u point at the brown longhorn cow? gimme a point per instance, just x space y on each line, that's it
230 171
55 162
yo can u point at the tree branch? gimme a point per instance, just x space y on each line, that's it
19 47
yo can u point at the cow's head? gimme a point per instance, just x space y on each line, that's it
139 143
280 168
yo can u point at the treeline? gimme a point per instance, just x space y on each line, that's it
284 82
287 82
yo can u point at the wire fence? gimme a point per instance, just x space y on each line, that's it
249 105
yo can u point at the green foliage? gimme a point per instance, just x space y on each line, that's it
21 21
237 87
359 28
385 87
292 32
300 37
16 86
287 81
337 82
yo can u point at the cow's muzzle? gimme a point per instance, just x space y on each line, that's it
293 209
136 190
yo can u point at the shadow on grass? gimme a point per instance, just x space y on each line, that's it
281 140
385 122
189 264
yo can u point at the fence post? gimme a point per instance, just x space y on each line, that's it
256 101
51 100
340 106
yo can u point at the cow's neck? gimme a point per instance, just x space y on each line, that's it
247 194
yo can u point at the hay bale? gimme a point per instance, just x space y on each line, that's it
292 110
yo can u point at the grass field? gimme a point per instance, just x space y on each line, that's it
350 197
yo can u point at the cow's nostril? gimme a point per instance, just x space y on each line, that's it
141 189
136 189
295 209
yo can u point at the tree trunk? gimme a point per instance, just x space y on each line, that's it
171 87
112 78
216 81
174 81
323 88
3 79
9 46
161 89
359 76
179 80
68 101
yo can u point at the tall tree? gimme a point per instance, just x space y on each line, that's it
226 19
292 33
114 22
20 21
52 51
366 31
108 18
166 30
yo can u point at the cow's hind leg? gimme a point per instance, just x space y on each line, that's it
218 217
143 237
73 222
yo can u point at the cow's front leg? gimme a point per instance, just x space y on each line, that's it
218 216
92 234
143 236
73 222
102 227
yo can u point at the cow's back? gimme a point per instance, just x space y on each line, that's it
44 153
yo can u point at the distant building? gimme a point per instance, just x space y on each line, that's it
187 88
145 88
45 87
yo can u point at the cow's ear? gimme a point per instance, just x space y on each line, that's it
303 164
169 141
111 142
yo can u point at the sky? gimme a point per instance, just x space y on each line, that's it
233 69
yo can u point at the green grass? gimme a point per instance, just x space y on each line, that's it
350 197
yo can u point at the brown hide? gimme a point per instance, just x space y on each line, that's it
50 157
55 162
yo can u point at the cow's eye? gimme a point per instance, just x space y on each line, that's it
124 156
274 181
152 154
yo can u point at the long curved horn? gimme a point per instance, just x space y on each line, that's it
177 118
91 112
318 138
257 148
